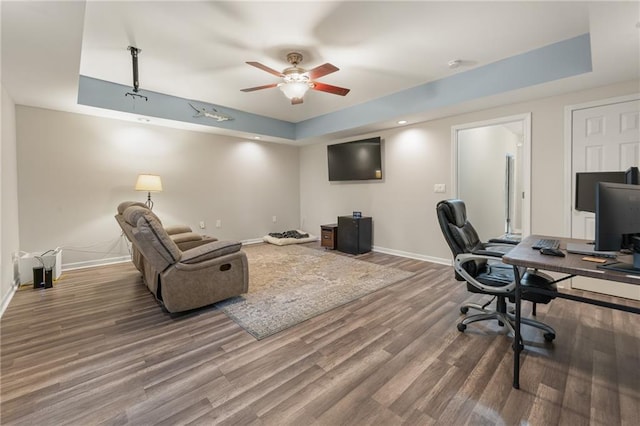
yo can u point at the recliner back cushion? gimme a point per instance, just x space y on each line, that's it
151 229
133 213
151 238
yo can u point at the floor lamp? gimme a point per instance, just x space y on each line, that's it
149 183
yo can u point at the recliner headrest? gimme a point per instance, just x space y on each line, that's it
133 213
126 204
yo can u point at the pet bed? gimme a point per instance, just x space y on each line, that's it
284 238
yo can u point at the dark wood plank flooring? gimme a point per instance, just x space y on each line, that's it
98 349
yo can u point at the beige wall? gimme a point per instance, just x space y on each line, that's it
9 198
419 156
74 169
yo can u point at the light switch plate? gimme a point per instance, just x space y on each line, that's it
439 187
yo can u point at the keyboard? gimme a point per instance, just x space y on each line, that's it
546 243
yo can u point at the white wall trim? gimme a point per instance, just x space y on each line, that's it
252 241
526 160
568 156
7 298
410 255
94 263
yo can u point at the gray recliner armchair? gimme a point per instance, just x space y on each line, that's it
183 279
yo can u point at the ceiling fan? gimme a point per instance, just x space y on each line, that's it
296 80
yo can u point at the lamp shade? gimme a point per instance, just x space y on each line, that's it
149 183
294 89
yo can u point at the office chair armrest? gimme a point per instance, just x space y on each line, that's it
489 253
503 241
461 259
498 247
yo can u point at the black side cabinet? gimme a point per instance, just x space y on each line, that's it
354 234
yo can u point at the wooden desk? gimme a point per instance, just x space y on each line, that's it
526 257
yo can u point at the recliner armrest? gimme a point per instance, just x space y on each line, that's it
209 251
177 229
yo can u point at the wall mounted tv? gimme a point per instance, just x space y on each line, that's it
356 160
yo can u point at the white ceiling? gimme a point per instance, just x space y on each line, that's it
198 50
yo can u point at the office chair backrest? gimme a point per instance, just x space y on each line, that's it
458 232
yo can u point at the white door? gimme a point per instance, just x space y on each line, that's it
604 138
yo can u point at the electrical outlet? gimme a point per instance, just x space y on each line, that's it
202 224
439 187
218 223
274 219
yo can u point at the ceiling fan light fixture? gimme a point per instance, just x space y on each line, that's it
294 89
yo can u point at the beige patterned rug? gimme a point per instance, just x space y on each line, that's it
290 284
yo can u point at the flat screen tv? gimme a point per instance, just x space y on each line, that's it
357 160
586 183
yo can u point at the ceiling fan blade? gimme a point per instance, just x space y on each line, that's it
253 89
296 101
329 88
266 68
321 71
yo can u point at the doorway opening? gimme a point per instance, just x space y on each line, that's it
491 174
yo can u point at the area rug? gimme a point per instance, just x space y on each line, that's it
290 284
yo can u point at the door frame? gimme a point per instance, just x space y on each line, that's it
526 159
568 151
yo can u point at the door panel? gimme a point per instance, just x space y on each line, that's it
604 138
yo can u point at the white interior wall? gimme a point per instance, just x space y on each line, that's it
9 235
418 156
74 170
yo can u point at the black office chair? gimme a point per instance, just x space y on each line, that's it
480 266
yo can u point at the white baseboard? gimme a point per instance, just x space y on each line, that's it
124 259
384 250
410 255
7 298
252 241
92 263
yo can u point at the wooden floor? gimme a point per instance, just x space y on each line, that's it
97 349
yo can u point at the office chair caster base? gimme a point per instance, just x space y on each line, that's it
548 337
462 327
464 309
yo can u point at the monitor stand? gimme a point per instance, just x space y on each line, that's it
629 268
621 267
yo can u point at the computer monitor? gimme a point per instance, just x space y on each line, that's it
617 216
632 176
586 187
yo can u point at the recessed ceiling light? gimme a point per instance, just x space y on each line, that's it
256 137
402 121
